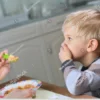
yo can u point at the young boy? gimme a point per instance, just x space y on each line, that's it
82 39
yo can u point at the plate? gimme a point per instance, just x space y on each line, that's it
35 84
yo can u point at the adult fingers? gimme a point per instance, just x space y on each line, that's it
3 72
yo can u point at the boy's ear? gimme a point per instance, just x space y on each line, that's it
92 45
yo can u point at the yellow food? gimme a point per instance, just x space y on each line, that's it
12 58
7 92
20 87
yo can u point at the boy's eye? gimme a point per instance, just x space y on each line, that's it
69 38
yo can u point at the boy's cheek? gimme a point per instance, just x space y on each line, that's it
77 53
70 48
74 51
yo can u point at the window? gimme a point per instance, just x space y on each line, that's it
18 12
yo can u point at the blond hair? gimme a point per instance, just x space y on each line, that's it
86 22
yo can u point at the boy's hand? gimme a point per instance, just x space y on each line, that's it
17 93
65 53
4 65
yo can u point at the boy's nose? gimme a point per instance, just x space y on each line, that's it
63 44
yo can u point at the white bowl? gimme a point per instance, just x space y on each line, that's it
34 83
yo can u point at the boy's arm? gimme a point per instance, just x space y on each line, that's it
76 81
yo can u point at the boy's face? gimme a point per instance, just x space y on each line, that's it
75 43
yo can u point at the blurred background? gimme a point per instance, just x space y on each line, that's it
19 11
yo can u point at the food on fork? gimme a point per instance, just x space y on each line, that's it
10 58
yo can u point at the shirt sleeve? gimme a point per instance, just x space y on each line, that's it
79 82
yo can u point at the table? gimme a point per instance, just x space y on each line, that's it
51 87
